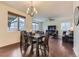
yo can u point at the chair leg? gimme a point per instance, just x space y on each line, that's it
41 50
44 50
32 49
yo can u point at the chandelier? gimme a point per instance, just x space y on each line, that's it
31 10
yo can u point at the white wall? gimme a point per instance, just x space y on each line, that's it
6 37
58 22
76 32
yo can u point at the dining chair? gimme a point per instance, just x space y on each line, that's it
23 42
44 46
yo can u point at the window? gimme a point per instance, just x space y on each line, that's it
21 23
65 26
35 26
15 22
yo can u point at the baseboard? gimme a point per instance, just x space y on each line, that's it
10 45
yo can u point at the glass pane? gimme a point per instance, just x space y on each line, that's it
21 23
35 26
15 22
65 26
12 22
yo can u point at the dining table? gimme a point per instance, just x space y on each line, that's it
38 38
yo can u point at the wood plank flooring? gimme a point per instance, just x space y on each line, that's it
56 49
60 49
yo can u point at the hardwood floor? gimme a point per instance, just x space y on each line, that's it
10 51
59 49
56 49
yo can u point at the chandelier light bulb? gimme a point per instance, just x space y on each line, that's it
36 12
27 10
34 9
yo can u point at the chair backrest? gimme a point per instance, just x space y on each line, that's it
46 39
64 32
24 36
30 37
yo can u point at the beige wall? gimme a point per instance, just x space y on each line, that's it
6 37
28 23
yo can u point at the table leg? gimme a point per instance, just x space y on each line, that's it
37 49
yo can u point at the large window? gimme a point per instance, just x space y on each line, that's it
65 26
15 22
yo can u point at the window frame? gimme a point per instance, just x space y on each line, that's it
18 16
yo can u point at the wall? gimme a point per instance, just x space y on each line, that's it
58 22
76 32
46 23
28 23
6 37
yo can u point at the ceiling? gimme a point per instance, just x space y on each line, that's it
46 9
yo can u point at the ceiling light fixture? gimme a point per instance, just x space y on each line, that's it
31 10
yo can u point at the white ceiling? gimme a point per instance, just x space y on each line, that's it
51 9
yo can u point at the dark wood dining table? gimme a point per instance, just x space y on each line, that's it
38 38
